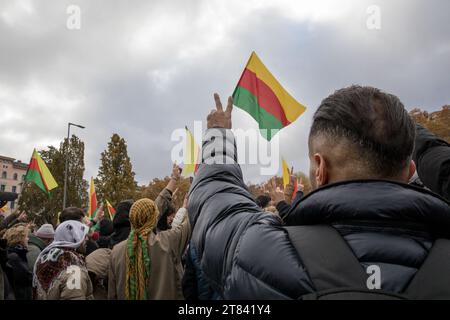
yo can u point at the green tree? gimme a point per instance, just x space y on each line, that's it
43 209
115 180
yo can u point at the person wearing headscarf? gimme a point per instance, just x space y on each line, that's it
147 265
60 271
105 231
164 199
121 222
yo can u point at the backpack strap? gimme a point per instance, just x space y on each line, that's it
432 281
327 257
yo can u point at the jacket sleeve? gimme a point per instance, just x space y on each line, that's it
163 201
22 275
243 251
432 158
189 280
283 208
180 233
9 221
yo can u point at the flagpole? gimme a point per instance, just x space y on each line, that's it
67 160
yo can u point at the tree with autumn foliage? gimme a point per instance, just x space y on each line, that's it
263 188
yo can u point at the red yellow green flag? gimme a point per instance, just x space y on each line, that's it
111 210
286 177
39 174
92 211
263 97
191 154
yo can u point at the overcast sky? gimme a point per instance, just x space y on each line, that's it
144 68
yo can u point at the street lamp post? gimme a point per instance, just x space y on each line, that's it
67 160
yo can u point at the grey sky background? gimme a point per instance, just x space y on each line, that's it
144 68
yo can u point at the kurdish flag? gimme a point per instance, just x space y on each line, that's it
286 177
39 174
191 154
263 97
111 210
92 211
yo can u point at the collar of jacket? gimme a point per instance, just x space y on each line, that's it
37 242
19 250
372 200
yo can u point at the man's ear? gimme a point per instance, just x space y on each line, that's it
321 174
412 169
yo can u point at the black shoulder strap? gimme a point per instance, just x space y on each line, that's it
327 257
432 281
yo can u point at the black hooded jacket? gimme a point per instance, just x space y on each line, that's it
21 276
247 254
121 222
432 158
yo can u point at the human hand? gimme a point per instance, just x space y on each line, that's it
100 214
176 172
23 217
275 193
300 185
186 201
218 118
87 221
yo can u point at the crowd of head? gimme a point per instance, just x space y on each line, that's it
381 184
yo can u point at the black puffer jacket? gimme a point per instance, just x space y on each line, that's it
432 158
247 254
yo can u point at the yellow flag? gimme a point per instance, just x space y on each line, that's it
286 174
191 155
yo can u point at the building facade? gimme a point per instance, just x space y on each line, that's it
12 174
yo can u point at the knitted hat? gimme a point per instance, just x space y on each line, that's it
143 216
46 231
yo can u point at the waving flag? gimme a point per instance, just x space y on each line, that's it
286 177
39 174
111 210
263 97
92 211
191 154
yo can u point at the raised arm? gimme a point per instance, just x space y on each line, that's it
432 158
222 210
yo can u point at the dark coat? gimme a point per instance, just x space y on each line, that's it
121 223
35 246
105 229
432 158
21 277
195 284
247 254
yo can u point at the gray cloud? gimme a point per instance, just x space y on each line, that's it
144 70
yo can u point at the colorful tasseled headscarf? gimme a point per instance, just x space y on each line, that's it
143 218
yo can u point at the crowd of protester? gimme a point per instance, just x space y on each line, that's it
381 191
